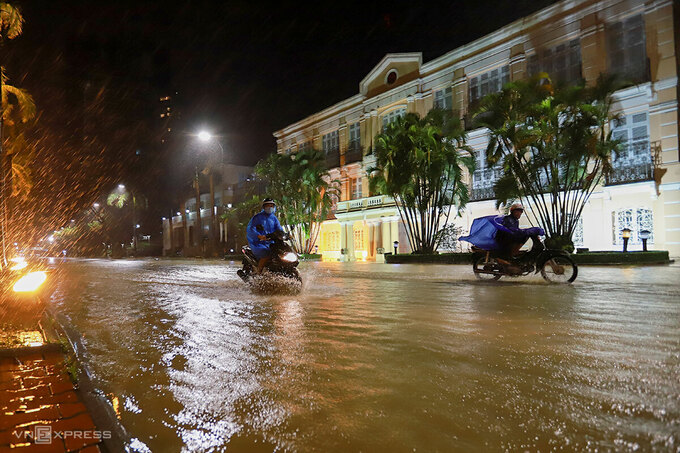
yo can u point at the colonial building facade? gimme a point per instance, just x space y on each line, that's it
571 40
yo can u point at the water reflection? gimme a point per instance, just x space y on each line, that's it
372 357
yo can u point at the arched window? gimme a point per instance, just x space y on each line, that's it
636 220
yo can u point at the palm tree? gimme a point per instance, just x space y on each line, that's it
554 146
301 185
11 25
420 162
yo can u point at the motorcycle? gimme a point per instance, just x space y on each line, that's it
25 287
555 266
284 260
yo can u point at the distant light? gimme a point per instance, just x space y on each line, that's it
178 213
187 211
121 186
204 136
96 205
51 238
162 218
72 220
229 205
137 226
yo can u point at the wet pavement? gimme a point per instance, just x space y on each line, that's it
39 408
381 357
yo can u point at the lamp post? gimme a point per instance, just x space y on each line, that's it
396 246
625 233
206 137
644 235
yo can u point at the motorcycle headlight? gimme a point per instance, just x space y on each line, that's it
30 282
290 257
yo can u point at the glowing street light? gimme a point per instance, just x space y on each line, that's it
204 136
625 234
121 186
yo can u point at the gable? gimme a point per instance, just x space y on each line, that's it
393 70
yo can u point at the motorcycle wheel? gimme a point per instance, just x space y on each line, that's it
559 269
481 267
295 274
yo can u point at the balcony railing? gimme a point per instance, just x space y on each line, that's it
365 203
482 184
333 158
353 153
633 163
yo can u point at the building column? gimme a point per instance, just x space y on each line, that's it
342 142
460 92
518 63
374 128
347 240
410 104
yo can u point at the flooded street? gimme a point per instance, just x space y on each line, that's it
381 357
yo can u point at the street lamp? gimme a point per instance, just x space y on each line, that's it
396 246
206 137
625 234
121 186
644 235
96 205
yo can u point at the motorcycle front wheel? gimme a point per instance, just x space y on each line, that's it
487 270
559 269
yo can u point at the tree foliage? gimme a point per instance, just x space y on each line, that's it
301 185
554 146
420 162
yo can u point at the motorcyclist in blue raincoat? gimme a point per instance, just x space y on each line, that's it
263 223
514 240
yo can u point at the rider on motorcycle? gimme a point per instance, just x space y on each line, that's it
514 240
262 224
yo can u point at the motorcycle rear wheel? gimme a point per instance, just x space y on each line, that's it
559 269
481 267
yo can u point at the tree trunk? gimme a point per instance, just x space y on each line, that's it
199 225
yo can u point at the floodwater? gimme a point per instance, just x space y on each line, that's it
374 357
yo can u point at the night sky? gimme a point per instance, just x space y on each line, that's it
242 70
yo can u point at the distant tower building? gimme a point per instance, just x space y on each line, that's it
168 116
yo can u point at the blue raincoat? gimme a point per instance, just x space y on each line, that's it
484 229
261 224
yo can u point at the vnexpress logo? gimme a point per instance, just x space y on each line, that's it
42 434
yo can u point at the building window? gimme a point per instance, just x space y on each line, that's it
626 54
484 177
443 99
562 62
355 188
633 159
331 143
354 134
391 77
359 238
636 220
489 82
392 116
332 241
305 146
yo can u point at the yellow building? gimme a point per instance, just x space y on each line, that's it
570 40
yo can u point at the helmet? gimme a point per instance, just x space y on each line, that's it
268 201
516 206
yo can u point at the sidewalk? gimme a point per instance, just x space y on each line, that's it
40 410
